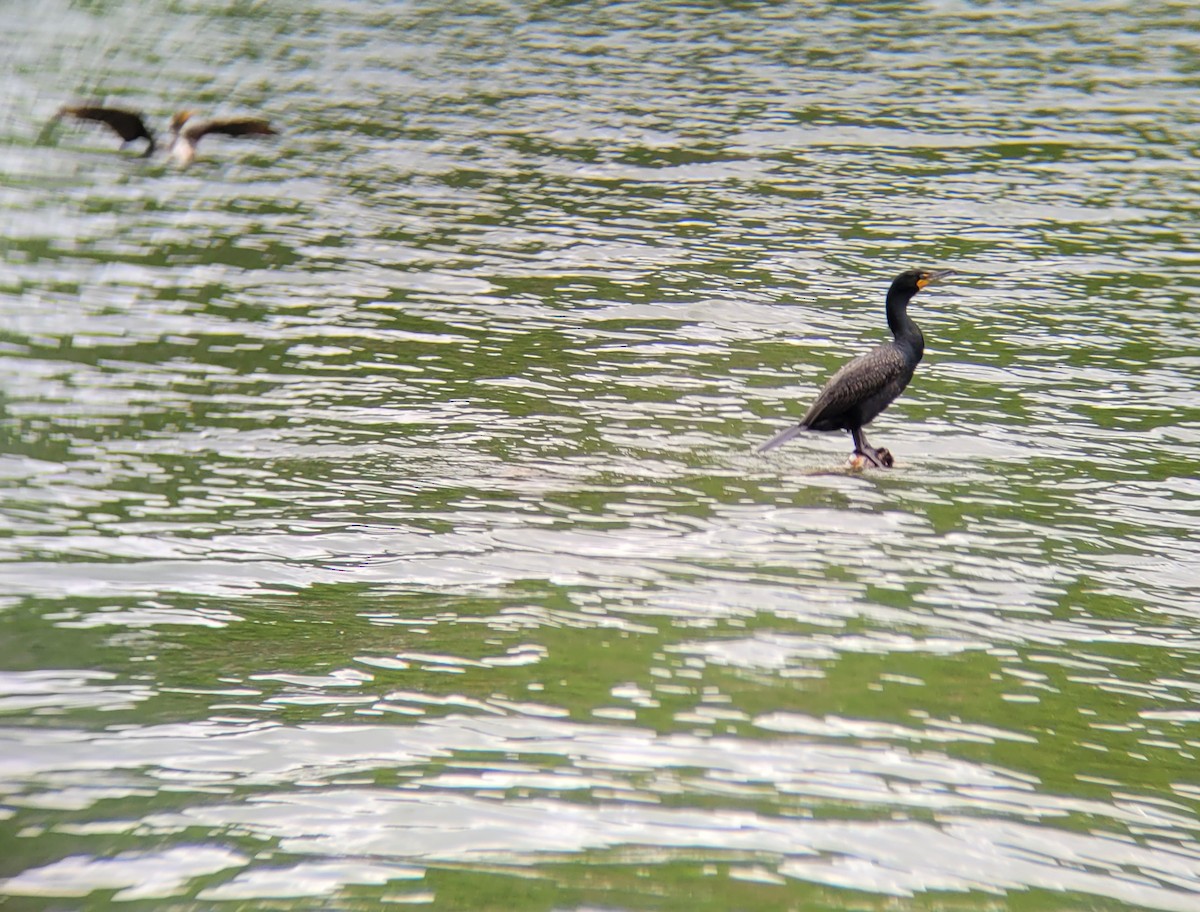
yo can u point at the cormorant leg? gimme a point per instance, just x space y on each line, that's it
880 458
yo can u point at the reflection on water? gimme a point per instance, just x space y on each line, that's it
381 517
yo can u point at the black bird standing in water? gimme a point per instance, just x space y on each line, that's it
864 387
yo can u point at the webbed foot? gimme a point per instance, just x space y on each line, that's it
880 458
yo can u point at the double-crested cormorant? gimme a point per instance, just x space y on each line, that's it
864 387
187 132
126 124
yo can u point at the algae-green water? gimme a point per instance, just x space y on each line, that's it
380 522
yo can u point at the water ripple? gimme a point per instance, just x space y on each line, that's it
381 520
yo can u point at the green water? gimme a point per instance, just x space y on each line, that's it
380 518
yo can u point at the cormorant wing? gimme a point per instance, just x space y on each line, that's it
857 382
233 126
126 124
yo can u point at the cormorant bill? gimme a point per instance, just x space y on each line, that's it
187 132
126 124
864 387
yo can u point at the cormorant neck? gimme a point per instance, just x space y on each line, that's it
907 333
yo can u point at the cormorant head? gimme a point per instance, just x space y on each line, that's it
179 120
909 282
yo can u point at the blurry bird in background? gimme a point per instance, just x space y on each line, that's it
186 130
126 124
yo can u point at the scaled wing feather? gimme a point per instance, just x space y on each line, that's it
855 382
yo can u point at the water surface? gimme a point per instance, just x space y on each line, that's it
381 522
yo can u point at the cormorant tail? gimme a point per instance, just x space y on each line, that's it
782 437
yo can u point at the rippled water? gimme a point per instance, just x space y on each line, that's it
381 522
